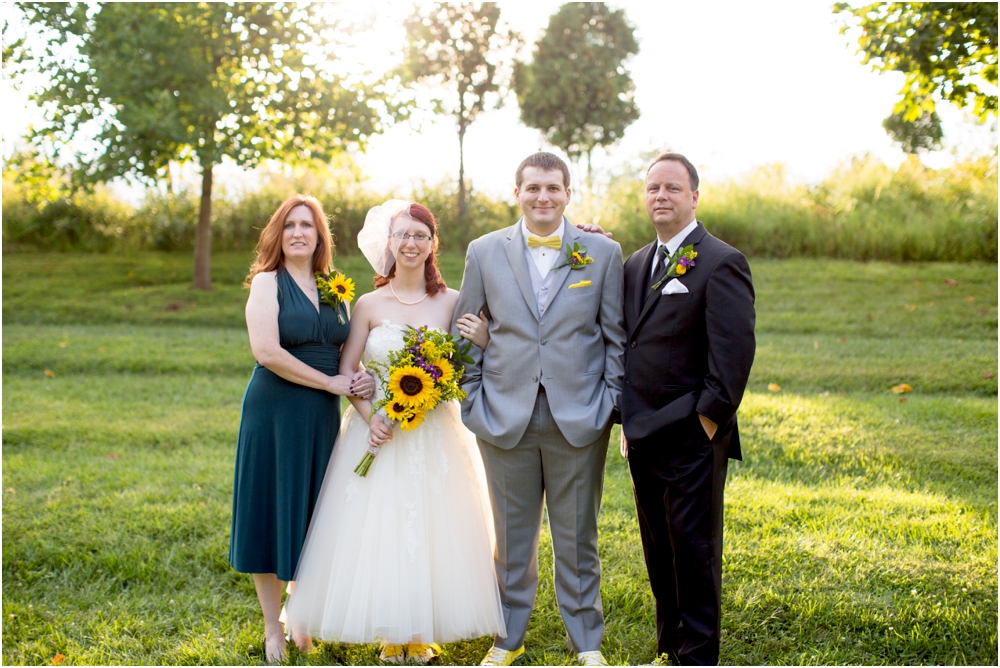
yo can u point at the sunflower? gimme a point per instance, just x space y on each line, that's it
342 287
446 369
411 386
397 412
413 421
429 351
432 400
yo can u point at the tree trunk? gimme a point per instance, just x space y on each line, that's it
590 179
203 236
462 203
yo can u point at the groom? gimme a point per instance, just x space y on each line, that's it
689 313
541 398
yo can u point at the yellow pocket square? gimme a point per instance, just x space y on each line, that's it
581 284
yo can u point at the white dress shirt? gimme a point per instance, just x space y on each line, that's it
673 243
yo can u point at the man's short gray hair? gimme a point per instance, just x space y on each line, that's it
677 157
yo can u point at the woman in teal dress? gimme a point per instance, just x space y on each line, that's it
291 408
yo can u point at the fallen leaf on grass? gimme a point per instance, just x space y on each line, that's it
114 455
173 307
902 399
902 387
10 490
63 344
970 298
131 274
868 317
50 373
843 339
815 345
911 307
950 282
982 311
100 350
773 387
916 282
58 659
988 374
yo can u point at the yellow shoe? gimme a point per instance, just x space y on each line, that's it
501 657
593 658
393 654
419 653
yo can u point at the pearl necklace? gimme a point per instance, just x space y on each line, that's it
401 301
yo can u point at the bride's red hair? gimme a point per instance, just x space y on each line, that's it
268 254
432 276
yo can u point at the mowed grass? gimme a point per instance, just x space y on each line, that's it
861 529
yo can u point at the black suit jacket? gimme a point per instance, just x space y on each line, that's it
687 353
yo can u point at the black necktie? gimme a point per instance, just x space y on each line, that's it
661 268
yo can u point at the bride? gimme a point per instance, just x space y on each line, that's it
404 555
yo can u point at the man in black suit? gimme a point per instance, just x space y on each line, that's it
689 317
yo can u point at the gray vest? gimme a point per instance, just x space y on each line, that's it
539 284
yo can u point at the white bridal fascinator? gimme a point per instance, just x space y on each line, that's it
373 239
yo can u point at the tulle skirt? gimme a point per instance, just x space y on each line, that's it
406 553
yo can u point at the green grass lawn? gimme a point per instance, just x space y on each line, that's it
861 529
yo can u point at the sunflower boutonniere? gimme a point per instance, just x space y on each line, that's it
679 264
335 290
576 257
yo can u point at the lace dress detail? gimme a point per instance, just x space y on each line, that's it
404 554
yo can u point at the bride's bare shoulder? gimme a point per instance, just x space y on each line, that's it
374 297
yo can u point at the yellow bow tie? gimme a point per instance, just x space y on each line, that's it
548 242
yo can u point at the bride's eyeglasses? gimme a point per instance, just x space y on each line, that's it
419 237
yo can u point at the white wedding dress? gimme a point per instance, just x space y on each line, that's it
404 554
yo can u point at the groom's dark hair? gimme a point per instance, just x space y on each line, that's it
545 162
677 157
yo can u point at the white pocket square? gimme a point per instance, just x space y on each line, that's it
674 287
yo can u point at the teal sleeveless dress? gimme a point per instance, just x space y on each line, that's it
287 433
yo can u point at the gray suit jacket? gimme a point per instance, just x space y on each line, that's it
575 349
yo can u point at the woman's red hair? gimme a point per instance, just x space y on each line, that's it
270 257
432 276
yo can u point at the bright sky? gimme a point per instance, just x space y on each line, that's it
731 85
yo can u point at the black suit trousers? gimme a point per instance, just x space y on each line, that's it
678 480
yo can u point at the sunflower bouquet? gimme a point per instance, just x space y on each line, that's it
419 376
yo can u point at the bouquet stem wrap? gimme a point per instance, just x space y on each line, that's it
366 462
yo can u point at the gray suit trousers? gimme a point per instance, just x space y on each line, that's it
544 467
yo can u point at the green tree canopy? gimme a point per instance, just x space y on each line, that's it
464 48
576 89
922 134
161 82
943 48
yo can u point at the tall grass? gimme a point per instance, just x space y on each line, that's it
864 210
98 222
